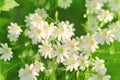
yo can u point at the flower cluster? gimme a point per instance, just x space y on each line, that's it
31 71
99 67
57 42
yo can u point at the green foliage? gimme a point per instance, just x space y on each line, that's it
6 5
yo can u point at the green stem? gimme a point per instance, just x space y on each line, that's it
102 24
10 68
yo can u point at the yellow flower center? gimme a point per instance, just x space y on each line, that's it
30 71
61 50
73 62
7 51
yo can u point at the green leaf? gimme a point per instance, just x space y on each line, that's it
6 5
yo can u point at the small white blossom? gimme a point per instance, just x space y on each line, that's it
105 16
49 31
99 66
64 3
38 66
46 49
72 45
116 30
83 61
34 20
72 62
65 31
88 43
61 52
99 77
93 6
14 31
114 5
5 52
28 73
104 36
92 23
35 34
42 12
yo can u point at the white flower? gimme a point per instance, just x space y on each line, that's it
104 35
38 66
105 16
34 20
99 66
44 32
28 73
49 31
36 34
83 61
92 23
99 77
88 43
65 31
93 6
116 30
114 5
72 45
14 31
64 3
42 13
72 62
61 52
46 49
5 52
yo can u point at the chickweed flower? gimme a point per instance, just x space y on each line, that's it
65 31
14 31
33 20
99 77
64 3
88 43
116 30
38 66
72 45
104 36
114 5
29 73
5 52
61 52
92 23
35 34
99 66
72 62
46 50
49 31
83 61
93 6
105 16
42 12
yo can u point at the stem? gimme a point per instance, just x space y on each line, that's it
102 24
10 68
51 19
